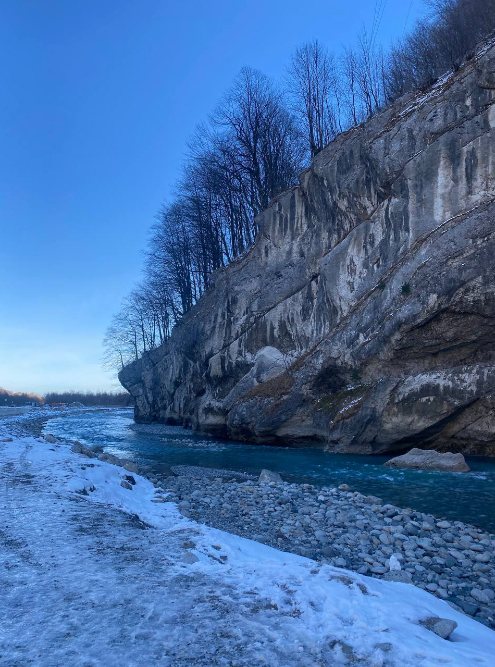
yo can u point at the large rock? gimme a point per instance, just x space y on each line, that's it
363 317
429 459
443 627
267 476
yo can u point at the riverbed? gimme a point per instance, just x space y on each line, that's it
467 497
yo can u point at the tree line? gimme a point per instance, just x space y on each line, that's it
10 398
257 141
89 398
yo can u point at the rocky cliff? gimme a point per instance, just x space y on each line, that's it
363 318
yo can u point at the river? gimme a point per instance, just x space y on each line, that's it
468 497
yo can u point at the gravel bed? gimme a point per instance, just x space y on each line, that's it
452 560
219 473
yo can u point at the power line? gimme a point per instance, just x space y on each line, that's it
407 18
377 19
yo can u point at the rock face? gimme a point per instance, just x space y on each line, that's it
429 459
363 318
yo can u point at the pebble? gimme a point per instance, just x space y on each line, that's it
452 560
348 530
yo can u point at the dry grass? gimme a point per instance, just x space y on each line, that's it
274 389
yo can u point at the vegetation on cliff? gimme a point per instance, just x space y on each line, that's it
255 144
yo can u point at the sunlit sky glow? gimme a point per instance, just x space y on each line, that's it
98 100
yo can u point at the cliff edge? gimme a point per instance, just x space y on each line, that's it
363 318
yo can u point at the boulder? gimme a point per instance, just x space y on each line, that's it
129 465
126 485
130 479
429 459
109 458
50 438
443 627
7 440
189 558
79 448
269 476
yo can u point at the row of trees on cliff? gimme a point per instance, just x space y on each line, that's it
257 141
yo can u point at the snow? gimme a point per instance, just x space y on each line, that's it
439 85
107 579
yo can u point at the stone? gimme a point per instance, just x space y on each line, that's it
344 487
384 646
294 363
429 459
401 576
7 440
130 466
329 551
109 458
443 524
267 476
443 627
124 484
469 607
373 500
50 438
189 558
482 558
480 596
130 479
82 449
489 593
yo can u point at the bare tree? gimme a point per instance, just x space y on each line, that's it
312 86
265 140
253 148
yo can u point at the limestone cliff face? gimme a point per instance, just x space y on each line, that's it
363 318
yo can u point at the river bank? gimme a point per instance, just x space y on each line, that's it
89 539
467 497
451 559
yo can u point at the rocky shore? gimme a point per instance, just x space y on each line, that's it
452 560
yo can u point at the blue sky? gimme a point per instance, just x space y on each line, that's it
98 100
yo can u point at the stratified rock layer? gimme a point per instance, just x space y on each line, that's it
363 318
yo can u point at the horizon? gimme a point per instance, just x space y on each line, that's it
88 164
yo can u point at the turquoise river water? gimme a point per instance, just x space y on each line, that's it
468 497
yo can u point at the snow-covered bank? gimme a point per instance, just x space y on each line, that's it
83 584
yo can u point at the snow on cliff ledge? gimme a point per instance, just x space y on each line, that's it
112 578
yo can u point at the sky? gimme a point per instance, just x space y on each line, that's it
98 99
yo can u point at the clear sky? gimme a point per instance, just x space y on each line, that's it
98 98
